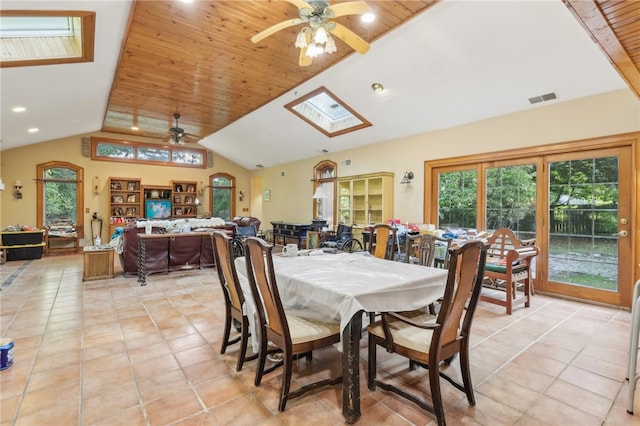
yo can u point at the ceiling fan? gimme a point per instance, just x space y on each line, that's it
316 37
178 136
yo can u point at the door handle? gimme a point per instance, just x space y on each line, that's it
623 233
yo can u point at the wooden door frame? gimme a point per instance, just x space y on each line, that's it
632 140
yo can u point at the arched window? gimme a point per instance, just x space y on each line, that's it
223 195
60 194
324 180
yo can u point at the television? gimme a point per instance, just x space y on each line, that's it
157 209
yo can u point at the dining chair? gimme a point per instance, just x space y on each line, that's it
234 300
508 279
295 332
424 247
385 241
428 340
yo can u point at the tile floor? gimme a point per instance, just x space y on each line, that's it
113 353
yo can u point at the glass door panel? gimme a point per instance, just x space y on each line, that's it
588 202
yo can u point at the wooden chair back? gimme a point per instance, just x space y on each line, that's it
385 241
461 295
227 274
264 289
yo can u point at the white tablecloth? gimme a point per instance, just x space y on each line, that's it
340 285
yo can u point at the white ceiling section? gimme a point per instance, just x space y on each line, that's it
459 62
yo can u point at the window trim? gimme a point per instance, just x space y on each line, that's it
87 37
40 181
95 141
319 180
232 188
291 107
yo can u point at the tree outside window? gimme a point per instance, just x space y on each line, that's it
223 196
60 194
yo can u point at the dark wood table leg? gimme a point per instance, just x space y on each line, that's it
351 369
142 269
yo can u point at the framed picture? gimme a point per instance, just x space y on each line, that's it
131 198
131 186
188 211
117 199
178 211
191 188
178 188
188 199
120 211
116 185
267 195
177 199
131 211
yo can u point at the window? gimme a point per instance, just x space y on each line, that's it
46 37
327 113
60 194
134 152
223 196
325 181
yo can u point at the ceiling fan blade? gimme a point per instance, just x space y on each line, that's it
300 4
350 8
275 28
351 38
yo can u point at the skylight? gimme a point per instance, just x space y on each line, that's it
327 113
46 37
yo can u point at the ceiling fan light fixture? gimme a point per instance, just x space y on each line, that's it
330 45
301 40
320 36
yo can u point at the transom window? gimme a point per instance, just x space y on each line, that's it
134 152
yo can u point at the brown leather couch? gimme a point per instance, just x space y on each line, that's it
164 255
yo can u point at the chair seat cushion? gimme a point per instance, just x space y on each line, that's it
405 334
303 326
494 267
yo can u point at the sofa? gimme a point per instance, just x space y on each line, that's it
168 254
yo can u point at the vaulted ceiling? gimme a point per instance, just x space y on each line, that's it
442 64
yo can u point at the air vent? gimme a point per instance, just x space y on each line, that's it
543 98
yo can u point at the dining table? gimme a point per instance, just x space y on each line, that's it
343 286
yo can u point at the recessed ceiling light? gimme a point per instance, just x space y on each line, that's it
377 87
368 17
33 130
19 109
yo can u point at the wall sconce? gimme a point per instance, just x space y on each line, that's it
1 185
407 177
241 194
17 190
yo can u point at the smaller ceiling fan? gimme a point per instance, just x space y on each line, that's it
177 135
316 37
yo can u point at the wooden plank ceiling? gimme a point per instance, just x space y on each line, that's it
615 27
197 59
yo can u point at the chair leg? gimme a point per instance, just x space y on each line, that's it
262 357
436 395
286 381
509 295
227 331
244 338
466 375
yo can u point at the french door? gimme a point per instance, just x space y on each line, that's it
587 225
577 205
